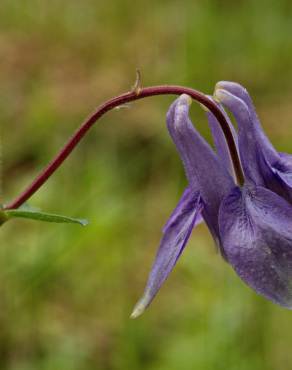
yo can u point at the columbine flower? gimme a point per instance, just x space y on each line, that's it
251 222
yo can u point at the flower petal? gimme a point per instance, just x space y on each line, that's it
280 162
257 168
186 198
219 138
175 237
256 233
240 92
205 172
286 159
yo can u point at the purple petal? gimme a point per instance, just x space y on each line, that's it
182 204
175 237
257 168
286 159
283 168
240 92
204 170
256 234
219 138
280 162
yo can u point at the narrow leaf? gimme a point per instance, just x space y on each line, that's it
43 216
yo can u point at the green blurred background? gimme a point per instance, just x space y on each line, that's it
66 292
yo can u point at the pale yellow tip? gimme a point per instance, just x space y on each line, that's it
219 85
187 98
204 107
137 311
219 94
141 306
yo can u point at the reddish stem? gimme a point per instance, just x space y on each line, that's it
115 102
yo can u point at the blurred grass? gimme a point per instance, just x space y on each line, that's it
67 292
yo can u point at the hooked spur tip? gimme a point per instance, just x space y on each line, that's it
220 94
220 85
181 111
228 85
186 99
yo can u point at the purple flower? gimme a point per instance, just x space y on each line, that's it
251 223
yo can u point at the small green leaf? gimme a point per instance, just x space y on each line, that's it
32 214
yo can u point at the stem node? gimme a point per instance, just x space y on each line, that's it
137 87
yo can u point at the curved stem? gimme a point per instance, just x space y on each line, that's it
115 102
